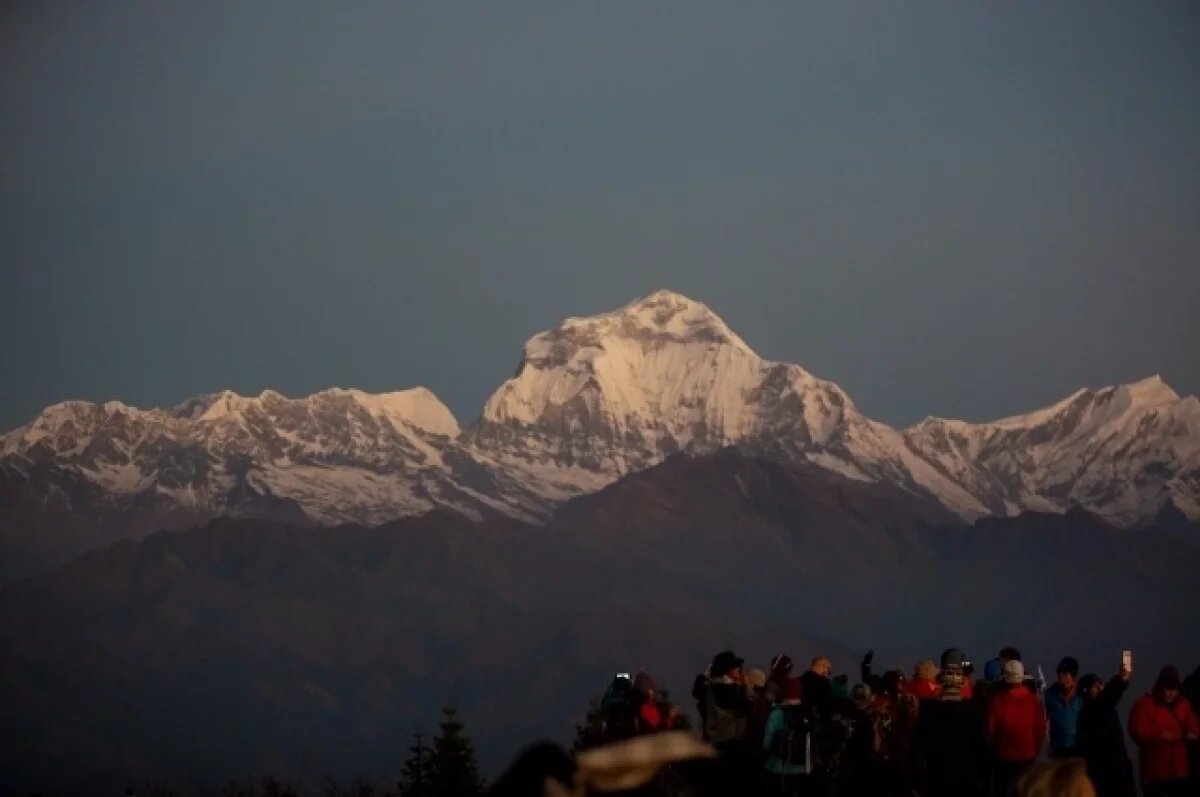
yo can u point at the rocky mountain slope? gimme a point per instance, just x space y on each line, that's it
595 399
247 646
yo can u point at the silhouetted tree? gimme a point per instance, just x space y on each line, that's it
453 770
415 777
590 732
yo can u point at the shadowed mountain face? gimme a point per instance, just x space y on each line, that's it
250 646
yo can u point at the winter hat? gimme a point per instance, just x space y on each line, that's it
953 657
1168 678
1085 683
792 690
861 695
723 662
993 670
1010 654
927 670
1014 671
1069 665
756 678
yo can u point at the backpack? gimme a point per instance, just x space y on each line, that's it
620 720
830 743
721 725
793 744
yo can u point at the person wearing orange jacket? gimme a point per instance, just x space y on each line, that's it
1016 725
1162 724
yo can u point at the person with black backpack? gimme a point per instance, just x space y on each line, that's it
618 710
788 742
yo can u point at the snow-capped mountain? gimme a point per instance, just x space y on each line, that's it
340 455
1120 452
595 398
619 392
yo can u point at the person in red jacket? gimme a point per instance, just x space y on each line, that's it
1016 725
652 714
1162 724
924 685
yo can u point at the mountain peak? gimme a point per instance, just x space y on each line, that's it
663 316
1150 392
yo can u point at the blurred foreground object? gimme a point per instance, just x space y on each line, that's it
545 770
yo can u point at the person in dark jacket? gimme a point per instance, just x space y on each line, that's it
1190 689
725 706
949 748
816 686
1100 739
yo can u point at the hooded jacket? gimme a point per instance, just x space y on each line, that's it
1150 719
1016 724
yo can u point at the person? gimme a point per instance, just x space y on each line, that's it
924 685
816 687
968 681
761 702
723 703
778 676
1100 739
949 754
985 687
1061 778
779 672
1016 726
868 677
1063 704
1162 724
651 715
787 742
724 707
894 713
1190 689
1008 654
862 770
617 710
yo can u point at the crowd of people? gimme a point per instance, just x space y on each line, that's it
943 731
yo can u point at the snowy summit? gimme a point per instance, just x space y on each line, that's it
595 398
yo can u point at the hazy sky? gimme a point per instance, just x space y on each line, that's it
960 209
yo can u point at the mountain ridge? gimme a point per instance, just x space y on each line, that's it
595 399
308 652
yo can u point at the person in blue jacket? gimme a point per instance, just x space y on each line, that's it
1063 704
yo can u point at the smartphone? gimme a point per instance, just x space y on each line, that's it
624 675
1127 660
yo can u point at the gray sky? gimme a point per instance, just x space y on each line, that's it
959 209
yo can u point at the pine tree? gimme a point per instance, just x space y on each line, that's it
414 778
453 771
590 733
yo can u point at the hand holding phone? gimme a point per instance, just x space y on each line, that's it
1126 661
